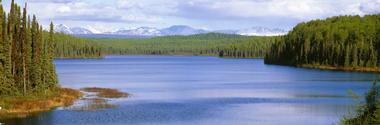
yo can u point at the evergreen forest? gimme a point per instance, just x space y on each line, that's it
211 44
343 41
26 54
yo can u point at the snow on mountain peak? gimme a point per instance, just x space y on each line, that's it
75 30
93 30
262 31
141 31
63 29
173 30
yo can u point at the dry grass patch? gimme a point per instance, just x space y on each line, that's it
350 69
106 93
62 97
99 100
25 106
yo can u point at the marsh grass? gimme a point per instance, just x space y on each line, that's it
348 69
98 101
106 92
28 105
21 107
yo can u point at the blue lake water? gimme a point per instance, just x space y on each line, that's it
186 90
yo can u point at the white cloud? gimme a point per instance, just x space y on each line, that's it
212 13
152 7
63 9
52 1
298 9
370 6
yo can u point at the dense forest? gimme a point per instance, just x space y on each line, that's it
71 47
249 47
26 56
344 41
211 44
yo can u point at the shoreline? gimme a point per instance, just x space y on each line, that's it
85 57
346 69
21 107
16 107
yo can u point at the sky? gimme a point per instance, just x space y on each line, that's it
109 15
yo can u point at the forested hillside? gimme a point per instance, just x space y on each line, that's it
211 44
344 42
26 55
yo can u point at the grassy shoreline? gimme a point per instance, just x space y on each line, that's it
25 106
347 69
79 57
20 107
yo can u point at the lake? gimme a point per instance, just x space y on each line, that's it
188 90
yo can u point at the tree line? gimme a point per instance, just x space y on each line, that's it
211 44
249 47
71 47
26 54
343 41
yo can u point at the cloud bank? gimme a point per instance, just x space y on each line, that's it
210 14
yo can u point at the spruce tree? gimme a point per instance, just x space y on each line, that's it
3 83
24 50
52 78
8 80
347 57
36 55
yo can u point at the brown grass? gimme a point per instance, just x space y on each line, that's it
352 69
24 106
106 93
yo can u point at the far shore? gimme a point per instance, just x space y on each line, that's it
348 69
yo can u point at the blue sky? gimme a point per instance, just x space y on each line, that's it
108 15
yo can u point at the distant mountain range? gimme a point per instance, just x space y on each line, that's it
143 32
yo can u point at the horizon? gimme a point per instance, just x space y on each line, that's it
101 16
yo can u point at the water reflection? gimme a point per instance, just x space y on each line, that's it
45 118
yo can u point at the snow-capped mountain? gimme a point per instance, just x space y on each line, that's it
75 30
62 29
79 30
261 31
142 31
173 30
181 30
151 31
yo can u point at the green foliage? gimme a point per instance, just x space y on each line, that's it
211 44
26 58
249 47
344 41
369 112
67 46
